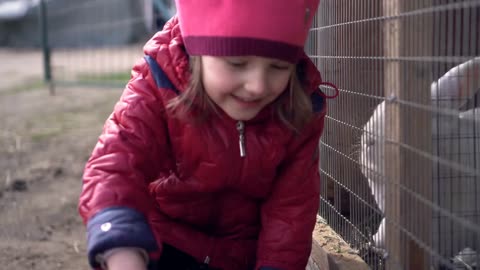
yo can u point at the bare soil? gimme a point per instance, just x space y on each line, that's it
44 144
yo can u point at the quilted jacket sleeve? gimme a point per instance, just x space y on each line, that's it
131 151
288 216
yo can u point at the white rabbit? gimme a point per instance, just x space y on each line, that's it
461 129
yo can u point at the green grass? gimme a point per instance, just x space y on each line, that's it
52 125
27 86
63 122
45 134
114 78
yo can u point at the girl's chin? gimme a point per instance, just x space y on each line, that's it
242 115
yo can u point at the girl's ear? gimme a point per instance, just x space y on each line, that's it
456 87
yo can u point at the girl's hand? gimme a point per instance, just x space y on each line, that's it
126 259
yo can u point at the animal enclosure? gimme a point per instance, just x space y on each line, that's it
400 155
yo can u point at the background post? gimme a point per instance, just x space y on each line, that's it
45 47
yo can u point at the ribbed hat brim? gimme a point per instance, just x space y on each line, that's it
241 46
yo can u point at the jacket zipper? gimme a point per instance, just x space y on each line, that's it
241 138
204 265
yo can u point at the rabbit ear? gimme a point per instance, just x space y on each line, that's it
456 87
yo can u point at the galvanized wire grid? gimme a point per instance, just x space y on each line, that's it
401 143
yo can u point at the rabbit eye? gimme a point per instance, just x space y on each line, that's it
370 142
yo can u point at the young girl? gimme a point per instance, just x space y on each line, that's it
210 158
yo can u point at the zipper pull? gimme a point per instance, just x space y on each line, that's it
241 137
204 265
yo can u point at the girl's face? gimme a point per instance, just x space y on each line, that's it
242 86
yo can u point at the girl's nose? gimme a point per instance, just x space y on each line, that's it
257 83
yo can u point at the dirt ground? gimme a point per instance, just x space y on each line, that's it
44 144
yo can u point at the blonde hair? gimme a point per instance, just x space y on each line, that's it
293 107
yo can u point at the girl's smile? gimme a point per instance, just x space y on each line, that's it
247 102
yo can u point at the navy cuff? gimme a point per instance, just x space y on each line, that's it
118 227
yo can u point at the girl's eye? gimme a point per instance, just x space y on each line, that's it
234 63
280 67
370 142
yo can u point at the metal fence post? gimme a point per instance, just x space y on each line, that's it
45 47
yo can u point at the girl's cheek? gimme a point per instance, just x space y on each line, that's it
281 82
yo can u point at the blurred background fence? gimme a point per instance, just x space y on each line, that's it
400 164
90 42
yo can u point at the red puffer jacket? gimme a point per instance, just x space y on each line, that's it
153 178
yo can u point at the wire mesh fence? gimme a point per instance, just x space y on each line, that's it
400 170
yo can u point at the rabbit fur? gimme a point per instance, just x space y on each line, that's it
451 93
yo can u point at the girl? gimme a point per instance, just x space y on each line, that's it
210 158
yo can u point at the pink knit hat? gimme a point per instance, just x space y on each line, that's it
268 28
